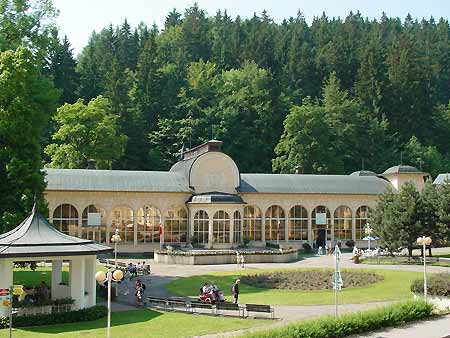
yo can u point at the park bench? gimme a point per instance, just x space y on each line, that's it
230 307
122 266
158 301
199 305
260 308
176 302
103 261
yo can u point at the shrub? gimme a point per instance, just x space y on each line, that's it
272 245
307 247
83 315
350 324
350 243
437 285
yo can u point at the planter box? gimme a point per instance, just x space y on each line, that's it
440 303
225 257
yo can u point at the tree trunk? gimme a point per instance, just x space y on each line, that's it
410 251
429 251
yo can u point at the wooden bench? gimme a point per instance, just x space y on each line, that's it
199 305
103 261
158 300
260 308
230 307
174 302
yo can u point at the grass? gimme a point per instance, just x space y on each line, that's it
34 278
395 286
397 261
140 324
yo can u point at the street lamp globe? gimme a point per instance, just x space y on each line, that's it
424 240
118 275
100 276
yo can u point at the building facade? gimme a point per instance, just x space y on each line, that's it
204 199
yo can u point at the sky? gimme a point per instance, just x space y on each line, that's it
79 18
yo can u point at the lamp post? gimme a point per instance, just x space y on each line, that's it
424 241
115 239
110 276
368 231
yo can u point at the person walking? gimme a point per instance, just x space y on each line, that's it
242 261
238 259
235 290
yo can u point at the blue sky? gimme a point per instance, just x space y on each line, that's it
78 18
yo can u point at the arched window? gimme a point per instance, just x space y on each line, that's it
275 223
362 218
201 226
237 222
175 226
122 219
90 230
65 219
298 223
252 223
221 227
320 222
343 223
148 221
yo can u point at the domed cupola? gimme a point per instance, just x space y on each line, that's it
400 174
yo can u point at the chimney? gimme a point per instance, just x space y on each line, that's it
91 164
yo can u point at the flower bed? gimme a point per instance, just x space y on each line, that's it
201 257
309 279
438 290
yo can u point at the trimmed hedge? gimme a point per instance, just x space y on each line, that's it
83 315
349 324
437 285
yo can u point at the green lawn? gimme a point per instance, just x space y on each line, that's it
34 278
395 286
140 324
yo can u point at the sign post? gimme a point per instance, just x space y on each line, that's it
337 278
6 301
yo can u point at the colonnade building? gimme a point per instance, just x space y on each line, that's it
204 199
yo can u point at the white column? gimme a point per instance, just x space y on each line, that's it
80 222
210 230
56 278
108 226
331 225
135 226
77 279
353 227
231 227
310 232
286 225
6 281
263 226
161 238
89 280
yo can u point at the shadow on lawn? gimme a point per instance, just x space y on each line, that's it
117 319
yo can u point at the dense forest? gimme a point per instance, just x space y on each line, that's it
333 95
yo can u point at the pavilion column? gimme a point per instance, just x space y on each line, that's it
77 279
263 226
286 226
331 227
135 226
108 226
89 280
353 227
56 278
161 237
6 281
210 231
80 224
310 232
232 227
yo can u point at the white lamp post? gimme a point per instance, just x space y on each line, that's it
368 231
115 239
424 241
109 277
